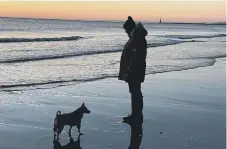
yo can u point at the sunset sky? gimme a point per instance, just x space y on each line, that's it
171 11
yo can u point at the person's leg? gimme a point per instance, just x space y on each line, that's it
126 118
130 86
136 102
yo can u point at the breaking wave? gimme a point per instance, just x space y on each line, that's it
8 40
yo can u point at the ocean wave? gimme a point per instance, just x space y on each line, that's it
186 64
193 36
204 62
217 23
170 42
49 57
52 82
68 55
8 40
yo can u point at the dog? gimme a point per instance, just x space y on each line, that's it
71 119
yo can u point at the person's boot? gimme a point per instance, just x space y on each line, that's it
137 109
127 119
133 119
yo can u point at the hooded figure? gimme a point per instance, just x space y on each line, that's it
133 58
132 70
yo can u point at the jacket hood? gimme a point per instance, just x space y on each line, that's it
139 31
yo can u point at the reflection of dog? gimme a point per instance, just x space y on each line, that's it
71 145
71 119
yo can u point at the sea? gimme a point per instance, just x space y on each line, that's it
43 53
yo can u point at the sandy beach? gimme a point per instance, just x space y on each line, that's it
182 109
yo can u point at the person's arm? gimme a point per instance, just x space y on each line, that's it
132 60
145 32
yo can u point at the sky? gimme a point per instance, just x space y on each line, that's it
169 11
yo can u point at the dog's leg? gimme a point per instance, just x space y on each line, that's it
71 140
78 127
55 136
70 131
60 128
78 140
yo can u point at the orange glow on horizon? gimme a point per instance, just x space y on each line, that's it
176 11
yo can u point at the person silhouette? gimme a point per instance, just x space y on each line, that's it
129 25
132 70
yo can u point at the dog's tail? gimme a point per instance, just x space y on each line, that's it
58 113
56 121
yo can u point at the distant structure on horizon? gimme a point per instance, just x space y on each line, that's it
160 21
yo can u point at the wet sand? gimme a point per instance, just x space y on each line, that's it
184 109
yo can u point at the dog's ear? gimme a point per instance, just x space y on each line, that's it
83 104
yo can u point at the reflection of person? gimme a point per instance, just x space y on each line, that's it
132 70
136 136
129 26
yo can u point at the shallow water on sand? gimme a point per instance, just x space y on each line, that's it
183 109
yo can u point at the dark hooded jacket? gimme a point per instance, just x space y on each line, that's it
133 58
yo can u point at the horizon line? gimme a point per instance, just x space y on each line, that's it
116 21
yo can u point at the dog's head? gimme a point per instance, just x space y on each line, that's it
84 109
